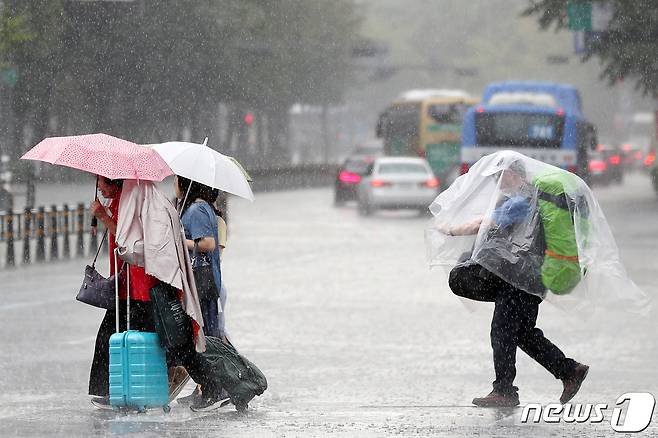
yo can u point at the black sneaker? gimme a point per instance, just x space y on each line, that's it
205 404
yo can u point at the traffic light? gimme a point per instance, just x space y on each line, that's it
248 119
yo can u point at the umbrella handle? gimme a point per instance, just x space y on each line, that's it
94 219
180 207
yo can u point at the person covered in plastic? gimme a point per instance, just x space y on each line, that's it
505 267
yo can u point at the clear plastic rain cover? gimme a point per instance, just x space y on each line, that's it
537 227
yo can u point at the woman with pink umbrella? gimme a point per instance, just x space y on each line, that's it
140 285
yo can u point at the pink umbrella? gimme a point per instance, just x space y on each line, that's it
103 155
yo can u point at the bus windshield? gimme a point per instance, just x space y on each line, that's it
538 130
401 121
447 113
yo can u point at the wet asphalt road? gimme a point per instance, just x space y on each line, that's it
356 336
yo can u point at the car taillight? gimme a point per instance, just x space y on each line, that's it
432 183
379 183
650 158
597 166
615 160
464 169
349 177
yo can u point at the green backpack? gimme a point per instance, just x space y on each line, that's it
560 270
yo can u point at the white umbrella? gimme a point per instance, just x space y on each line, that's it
204 165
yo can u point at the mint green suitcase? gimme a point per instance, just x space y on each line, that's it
138 367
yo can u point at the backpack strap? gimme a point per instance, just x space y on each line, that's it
561 257
560 201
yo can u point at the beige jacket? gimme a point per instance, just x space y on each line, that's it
149 234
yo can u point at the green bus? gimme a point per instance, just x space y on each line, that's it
427 123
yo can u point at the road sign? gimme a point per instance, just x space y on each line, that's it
579 13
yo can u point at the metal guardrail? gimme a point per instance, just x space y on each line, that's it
63 232
52 230
284 178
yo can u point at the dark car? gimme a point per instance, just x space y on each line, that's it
631 156
598 169
349 176
614 160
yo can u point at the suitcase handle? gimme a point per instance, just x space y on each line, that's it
116 289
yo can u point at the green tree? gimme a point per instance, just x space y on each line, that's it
148 70
627 50
30 41
35 56
13 31
286 52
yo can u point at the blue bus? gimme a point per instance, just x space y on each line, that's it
542 120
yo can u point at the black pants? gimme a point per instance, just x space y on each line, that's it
512 325
141 318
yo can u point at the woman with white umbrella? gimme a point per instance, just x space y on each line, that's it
199 218
201 173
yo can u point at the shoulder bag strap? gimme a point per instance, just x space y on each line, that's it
98 251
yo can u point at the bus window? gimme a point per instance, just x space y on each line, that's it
539 130
446 113
401 121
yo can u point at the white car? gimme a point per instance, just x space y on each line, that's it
397 182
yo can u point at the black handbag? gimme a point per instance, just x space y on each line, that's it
203 275
172 324
97 290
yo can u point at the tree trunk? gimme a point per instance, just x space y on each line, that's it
278 129
324 126
260 132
